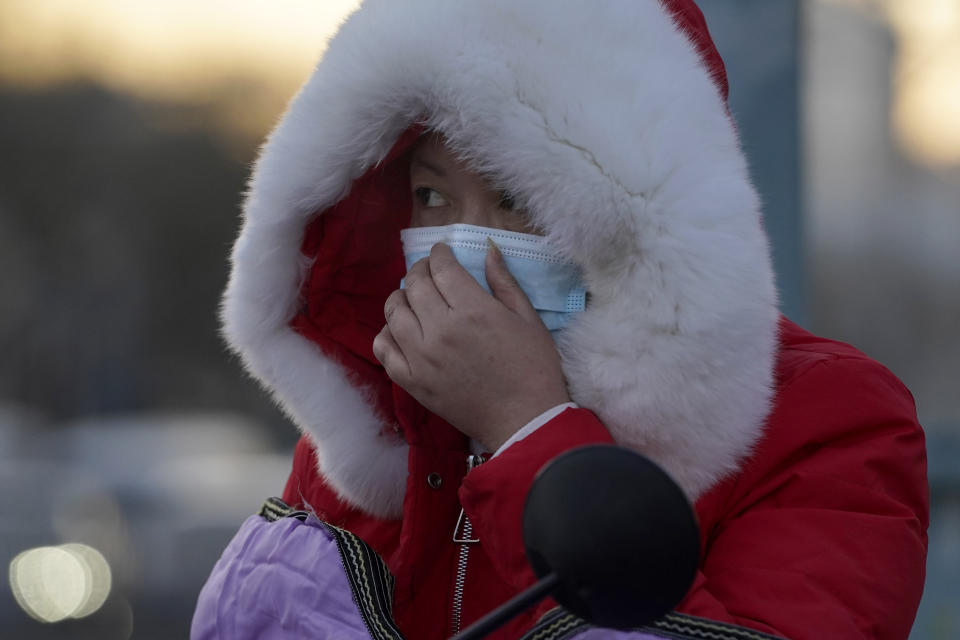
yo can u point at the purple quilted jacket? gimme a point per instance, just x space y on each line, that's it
288 575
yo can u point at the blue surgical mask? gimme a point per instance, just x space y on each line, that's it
554 286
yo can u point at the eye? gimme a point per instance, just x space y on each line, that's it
507 202
428 197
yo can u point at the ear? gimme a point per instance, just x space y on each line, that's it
504 286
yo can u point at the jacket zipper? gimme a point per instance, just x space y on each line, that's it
467 539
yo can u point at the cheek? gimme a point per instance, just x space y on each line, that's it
513 221
416 219
433 217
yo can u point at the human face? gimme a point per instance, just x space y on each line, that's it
446 191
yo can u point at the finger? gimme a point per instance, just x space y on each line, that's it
403 322
388 352
455 284
422 294
505 287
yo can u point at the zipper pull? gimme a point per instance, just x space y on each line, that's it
475 460
463 522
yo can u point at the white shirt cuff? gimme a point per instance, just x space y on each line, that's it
528 428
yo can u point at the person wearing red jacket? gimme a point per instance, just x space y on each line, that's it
628 298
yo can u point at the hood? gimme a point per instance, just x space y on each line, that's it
608 122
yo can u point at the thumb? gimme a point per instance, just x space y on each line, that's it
504 286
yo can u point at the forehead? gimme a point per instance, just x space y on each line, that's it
433 146
432 153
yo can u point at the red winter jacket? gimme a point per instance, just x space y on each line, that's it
608 123
822 534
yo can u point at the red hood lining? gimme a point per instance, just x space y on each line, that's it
357 261
691 21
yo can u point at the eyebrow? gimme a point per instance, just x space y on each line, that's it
429 167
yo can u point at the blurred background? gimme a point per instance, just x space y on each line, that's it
131 444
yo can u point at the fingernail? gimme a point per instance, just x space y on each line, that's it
494 247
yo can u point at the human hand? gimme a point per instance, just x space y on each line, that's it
485 364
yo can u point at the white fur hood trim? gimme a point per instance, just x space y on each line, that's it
608 128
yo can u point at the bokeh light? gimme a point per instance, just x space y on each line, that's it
55 583
926 110
98 578
925 114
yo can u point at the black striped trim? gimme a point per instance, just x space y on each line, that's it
558 624
371 582
681 625
274 508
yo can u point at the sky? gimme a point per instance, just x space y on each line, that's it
174 46
183 50
176 50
